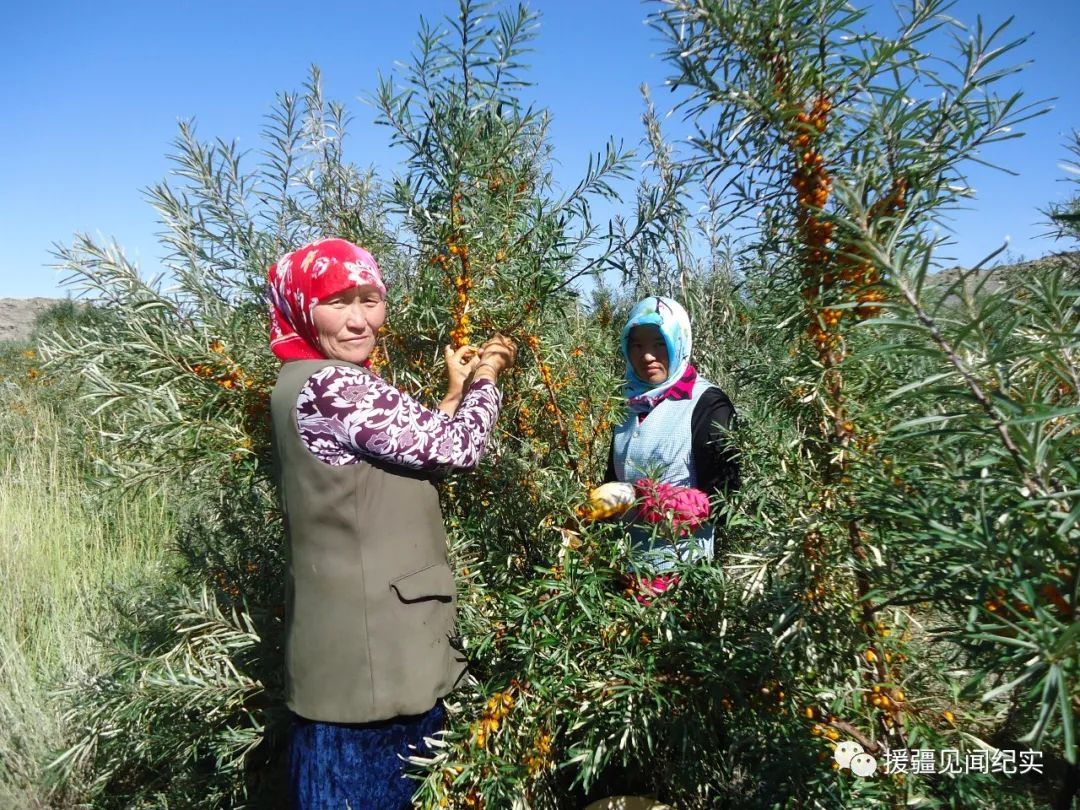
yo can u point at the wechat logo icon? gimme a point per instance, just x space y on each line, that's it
849 754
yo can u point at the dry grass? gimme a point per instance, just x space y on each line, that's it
65 548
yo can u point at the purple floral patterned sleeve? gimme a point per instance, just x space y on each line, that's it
347 415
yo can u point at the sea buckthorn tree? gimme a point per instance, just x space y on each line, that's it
916 545
474 238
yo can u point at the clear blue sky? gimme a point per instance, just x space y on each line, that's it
94 91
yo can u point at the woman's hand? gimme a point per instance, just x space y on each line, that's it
497 355
460 366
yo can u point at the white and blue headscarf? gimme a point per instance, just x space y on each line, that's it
668 315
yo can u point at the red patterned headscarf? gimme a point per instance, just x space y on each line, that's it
301 279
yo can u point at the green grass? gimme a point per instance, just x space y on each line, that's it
65 548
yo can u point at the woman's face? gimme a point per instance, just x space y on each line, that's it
348 322
648 354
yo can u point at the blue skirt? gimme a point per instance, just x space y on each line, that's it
333 766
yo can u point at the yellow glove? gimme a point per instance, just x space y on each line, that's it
608 500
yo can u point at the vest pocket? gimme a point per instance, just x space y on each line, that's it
434 583
420 661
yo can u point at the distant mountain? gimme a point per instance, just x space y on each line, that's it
999 274
17 316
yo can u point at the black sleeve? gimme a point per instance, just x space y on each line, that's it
716 464
609 473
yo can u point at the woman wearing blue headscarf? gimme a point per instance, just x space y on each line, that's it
675 430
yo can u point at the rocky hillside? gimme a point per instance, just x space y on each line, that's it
17 316
999 274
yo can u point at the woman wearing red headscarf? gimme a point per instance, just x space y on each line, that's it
370 596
